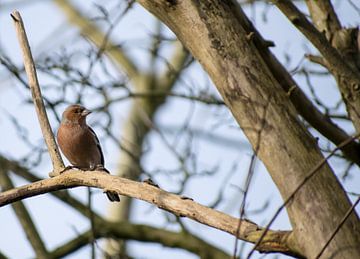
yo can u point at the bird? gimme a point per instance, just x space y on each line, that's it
79 143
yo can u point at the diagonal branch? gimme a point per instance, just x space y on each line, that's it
121 230
29 64
25 219
303 105
274 241
336 62
2 256
324 17
344 70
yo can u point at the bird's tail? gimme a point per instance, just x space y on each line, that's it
113 196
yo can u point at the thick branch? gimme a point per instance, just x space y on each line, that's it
324 17
211 31
121 230
303 105
336 62
2 256
275 241
345 72
29 64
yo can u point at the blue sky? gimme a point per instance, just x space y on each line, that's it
48 32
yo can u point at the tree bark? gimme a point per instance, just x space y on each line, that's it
211 30
339 51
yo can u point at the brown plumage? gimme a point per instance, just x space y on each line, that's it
79 143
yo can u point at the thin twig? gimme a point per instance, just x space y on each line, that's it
211 100
251 172
29 65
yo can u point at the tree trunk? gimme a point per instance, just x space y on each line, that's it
211 30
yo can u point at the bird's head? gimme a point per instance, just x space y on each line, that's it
75 114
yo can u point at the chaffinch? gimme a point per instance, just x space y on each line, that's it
79 143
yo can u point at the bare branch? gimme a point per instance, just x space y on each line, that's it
303 105
126 230
93 33
343 69
324 17
210 100
335 60
123 229
25 220
29 64
2 256
274 241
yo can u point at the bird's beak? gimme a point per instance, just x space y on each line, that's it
85 112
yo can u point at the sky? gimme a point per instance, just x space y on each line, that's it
49 33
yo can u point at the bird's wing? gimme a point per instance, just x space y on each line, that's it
98 145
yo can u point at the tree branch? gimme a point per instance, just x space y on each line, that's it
324 17
303 105
344 71
2 256
29 64
123 229
336 63
126 230
93 33
209 100
274 241
224 49
25 220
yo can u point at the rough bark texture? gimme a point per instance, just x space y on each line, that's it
345 40
211 31
303 105
338 47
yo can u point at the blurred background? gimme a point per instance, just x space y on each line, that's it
157 115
